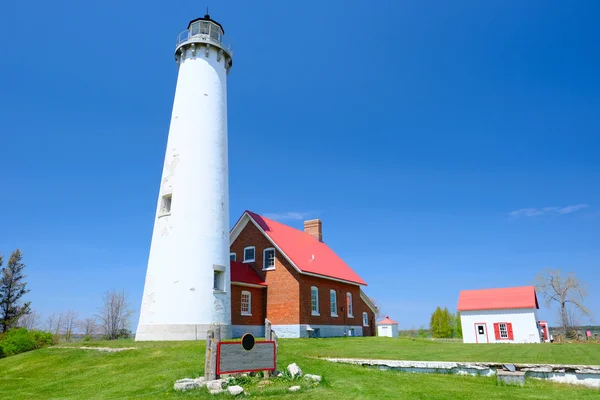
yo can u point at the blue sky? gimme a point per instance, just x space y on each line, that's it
416 130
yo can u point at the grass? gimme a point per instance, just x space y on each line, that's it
149 371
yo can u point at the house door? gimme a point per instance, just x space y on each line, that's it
481 333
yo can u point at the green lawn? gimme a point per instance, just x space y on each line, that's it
150 370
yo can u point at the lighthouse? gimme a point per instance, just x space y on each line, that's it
187 290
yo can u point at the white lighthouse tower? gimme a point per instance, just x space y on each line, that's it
187 288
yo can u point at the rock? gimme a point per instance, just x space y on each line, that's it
294 370
215 391
186 384
200 381
235 390
315 378
295 388
216 384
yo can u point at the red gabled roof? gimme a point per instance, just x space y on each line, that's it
307 253
496 299
387 321
244 273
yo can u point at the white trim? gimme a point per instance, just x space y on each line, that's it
365 314
234 256
265 259
241 224
248 285
349 305
333 314
246 248
368 302
249 313
313 312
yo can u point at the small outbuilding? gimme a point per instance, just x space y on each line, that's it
387 327
502 315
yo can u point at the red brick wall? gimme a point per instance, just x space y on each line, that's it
283 291
287 296
257 306
325 318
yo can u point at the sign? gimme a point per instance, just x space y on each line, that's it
247 355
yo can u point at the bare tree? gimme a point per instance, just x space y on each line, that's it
568 292
114 314
87 326
68 323
30 321
379 313
54 323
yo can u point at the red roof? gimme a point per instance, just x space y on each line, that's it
387 321
496 299
244 273
306 252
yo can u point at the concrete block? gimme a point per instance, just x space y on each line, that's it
511 378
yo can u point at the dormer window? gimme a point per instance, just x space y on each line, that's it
269 259
250 254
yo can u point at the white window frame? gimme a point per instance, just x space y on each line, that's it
249 312
253 248
333 304
314 289
265 268
234 256
365 319
349 306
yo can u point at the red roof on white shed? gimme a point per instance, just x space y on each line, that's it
496 299
387 321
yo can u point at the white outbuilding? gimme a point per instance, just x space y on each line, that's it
502 315
387 327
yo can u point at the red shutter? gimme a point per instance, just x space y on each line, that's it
510 331
497 330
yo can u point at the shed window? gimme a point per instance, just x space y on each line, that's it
503 331
314 300
246 303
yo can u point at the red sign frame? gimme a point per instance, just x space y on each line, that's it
219 372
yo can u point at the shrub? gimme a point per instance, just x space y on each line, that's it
21 340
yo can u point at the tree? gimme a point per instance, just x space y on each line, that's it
12 288
88 326
69 319
458 326
379 312
566 292
114 314
440 323
30 321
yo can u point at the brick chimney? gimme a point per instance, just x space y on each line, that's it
314 228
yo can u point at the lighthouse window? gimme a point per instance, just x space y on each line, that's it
165 205
249 254
218 281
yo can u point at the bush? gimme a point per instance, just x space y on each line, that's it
21 340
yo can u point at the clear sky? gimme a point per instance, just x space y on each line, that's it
445 145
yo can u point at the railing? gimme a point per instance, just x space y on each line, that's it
196 36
